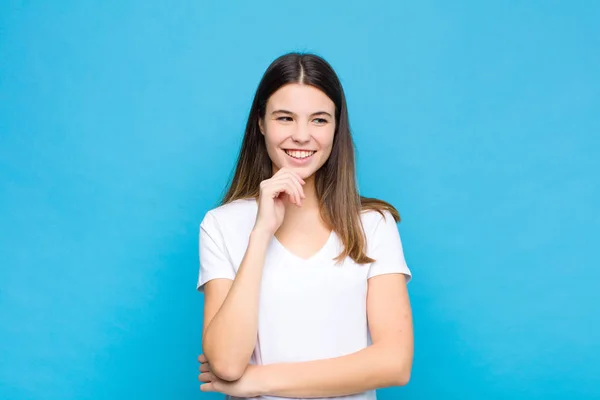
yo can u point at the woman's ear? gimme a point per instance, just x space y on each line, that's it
261 126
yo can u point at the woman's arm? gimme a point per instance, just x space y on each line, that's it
231 313
231 308
387 362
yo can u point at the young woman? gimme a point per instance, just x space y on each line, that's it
304 279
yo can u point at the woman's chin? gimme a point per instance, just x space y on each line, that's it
304 171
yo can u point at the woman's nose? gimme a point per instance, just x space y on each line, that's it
301 134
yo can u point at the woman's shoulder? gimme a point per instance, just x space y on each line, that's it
377 213
231 213
377 221
371 217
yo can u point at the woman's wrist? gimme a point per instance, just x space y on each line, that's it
260 379
260 235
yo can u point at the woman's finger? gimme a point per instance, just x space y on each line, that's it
202 358
286 170
293 191
285 184
207 387
204 367
299 177
297 181
207 377
297 187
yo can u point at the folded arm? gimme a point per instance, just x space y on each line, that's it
387 362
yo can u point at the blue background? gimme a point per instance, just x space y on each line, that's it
120 123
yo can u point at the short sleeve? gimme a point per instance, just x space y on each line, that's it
385 246
214 262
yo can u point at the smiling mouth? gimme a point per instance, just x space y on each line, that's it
299 154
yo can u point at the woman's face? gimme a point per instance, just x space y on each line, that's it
298 126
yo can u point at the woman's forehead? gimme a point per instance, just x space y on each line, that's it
300 99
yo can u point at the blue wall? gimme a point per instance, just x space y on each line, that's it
120 123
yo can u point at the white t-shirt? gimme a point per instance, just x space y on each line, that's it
309 309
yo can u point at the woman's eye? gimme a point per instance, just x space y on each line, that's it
320 121
285 119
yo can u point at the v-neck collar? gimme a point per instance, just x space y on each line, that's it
315 256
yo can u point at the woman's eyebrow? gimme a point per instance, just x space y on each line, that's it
321 113
282 112
291 113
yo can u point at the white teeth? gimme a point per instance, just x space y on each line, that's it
299 154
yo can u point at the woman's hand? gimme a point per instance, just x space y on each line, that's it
249 385
271 208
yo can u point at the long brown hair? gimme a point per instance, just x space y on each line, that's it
335 182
